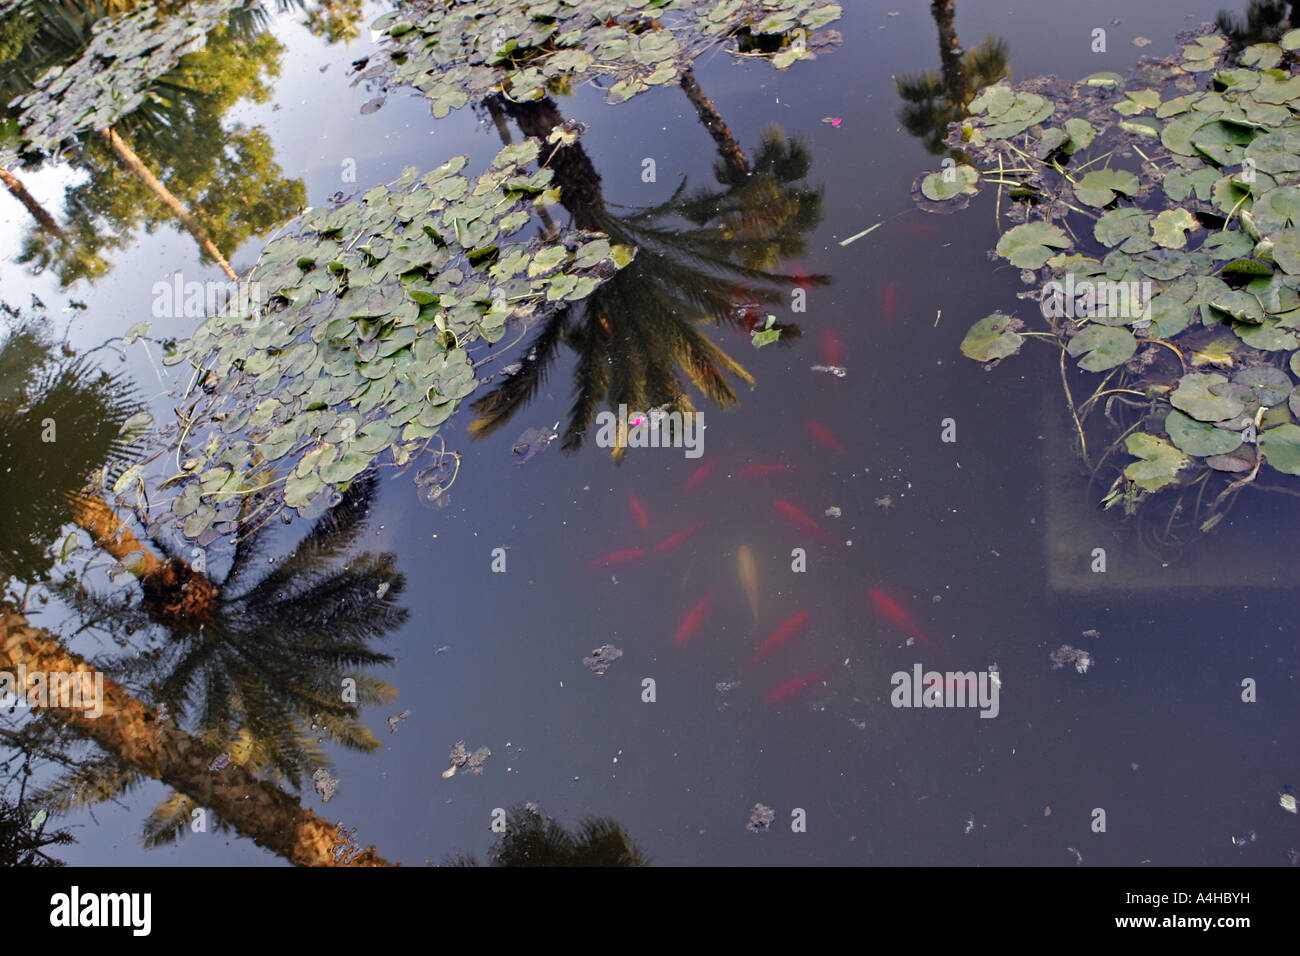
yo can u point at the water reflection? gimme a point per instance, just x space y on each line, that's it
702 255
269 659
1264 21
533 839
934 100
246 675
60 419
175 156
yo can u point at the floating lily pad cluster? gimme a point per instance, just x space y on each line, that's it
456 52
129 51
353 350
1185 177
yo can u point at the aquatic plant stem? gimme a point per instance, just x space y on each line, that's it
1078 425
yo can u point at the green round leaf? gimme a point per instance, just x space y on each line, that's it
1199 438
1102 347
991 338
1281 448
1030 245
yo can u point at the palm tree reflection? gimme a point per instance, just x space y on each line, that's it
702 255
263 667
931 101
532 839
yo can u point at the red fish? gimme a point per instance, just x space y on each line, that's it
802 279
783 633
824 436
762 471
693 619
792 687
889 303
673 540
626 556
919 230
801 520
638 511
700 475
895 614
832 350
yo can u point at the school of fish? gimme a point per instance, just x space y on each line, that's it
788 637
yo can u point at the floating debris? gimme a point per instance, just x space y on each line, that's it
833 120
1092 634
1081 660
769 333
760 818
325 784
38 819
397 719
533 441
1078 857
222 761
860 724
1242 841
381 590
445 647
838 371
601 658
476 761
833 512
461 757
885 501
995 675
1140 42
864 232
1287 802
970 825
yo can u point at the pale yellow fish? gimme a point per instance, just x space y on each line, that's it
748 571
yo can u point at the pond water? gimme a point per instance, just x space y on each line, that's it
953 555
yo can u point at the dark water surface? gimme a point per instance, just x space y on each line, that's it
1154 733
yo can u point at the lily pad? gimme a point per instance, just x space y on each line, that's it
992 338
1100 187
1102 347
1159 463
1281 448
950 183
1171 226
1270 384
1267 336
1199 438
1030 245
1202 396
